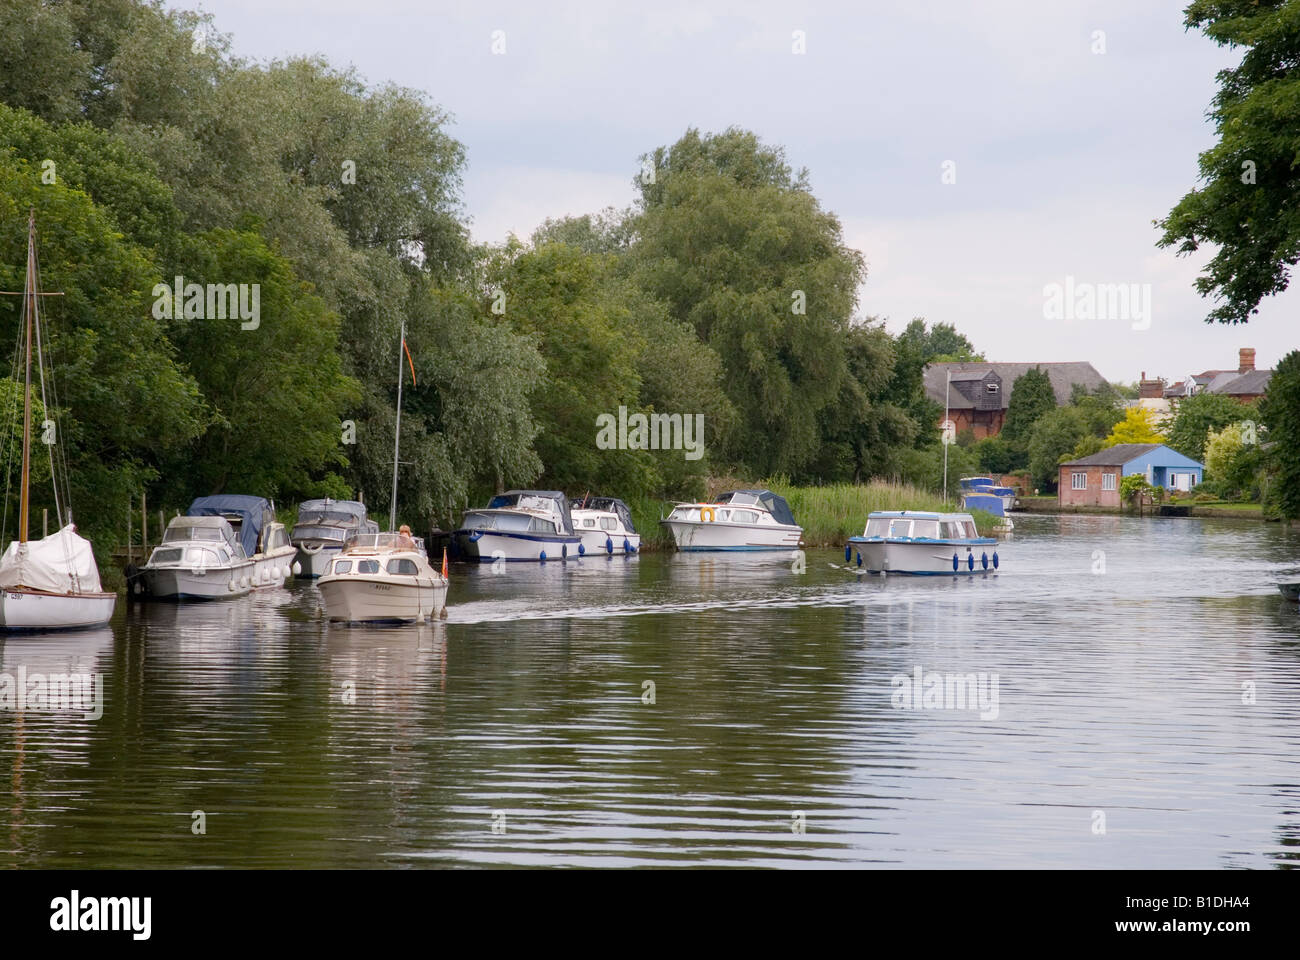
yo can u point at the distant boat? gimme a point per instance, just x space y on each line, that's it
1290 590
920 542
51 583
985 487
200 558
737 520
265 541
323 526
605 526
520 525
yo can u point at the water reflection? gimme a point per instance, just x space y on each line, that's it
698 709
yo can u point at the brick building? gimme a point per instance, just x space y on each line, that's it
1093 481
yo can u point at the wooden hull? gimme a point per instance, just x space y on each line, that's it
33 610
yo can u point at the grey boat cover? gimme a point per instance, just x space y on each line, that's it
776 506
254 514
612 504
511 498
347 513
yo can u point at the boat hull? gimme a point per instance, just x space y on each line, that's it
35 610
180 583
272 570
489 545
314 561
355 599
926 558
691 535
600 543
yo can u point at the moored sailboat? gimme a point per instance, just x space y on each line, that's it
51 583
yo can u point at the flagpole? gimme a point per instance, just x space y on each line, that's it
947 390
397 431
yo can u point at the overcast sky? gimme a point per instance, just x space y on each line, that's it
1063 157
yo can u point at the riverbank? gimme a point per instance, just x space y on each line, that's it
829 515
1235 511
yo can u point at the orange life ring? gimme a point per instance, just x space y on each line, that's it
707 513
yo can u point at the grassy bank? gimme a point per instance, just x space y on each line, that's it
828 515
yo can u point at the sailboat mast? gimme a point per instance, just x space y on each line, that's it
397 433
30 289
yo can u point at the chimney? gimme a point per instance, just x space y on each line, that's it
1150 389
1246 360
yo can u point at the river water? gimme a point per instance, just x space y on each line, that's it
1146 713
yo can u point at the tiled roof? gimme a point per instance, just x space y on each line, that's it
1062 375
1115 456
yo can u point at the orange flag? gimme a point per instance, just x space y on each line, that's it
409 361
444 563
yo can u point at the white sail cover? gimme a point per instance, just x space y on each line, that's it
61 563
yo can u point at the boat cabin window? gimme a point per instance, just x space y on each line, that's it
178 533
724 514
538 525
744 500
278 538
745 516
952 530
971 532
342 566
899 528
167 556
404 568
608 523
878 527
367 566
926 528
588 522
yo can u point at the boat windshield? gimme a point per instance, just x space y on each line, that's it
178 533
926 528
371 542
508 523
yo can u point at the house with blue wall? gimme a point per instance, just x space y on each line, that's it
1093 481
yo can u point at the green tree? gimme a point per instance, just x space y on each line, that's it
994 455
1032 396
1247 208
1280 411
738 248
1198 415
1053 439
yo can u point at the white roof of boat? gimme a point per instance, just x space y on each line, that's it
920 514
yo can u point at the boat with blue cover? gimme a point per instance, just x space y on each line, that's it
923 543
519 525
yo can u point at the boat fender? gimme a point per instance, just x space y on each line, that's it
995 559
542 555
475 536
564 551
848 553
859 558
582 549
984 560
626 546
297 568
609 546
954 563
970 561
632 549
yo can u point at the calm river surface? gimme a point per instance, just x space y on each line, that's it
1147 715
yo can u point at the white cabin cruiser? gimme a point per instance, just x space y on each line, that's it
323 526
605 526
738 520
200 558
920 542
265 541
383 578
520 525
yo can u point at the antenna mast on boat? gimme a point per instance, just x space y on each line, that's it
30 305
946 391
397 432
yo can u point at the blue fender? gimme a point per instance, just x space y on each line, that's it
582 549
542 555
848 553
970 561
995 559
984 560
609 545
954 563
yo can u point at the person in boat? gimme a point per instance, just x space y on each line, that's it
404 539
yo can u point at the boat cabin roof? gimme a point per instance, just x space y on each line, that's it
380 543
918 515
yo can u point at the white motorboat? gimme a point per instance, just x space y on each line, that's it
200 558
984 488
738 520
520 525
382 578
51 583
264 540
323 526
920 542
604 525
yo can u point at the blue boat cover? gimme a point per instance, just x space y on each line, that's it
776 506
984 501
612 504
511 498
254 514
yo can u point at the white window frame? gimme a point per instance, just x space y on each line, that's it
1078 481
1108 481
